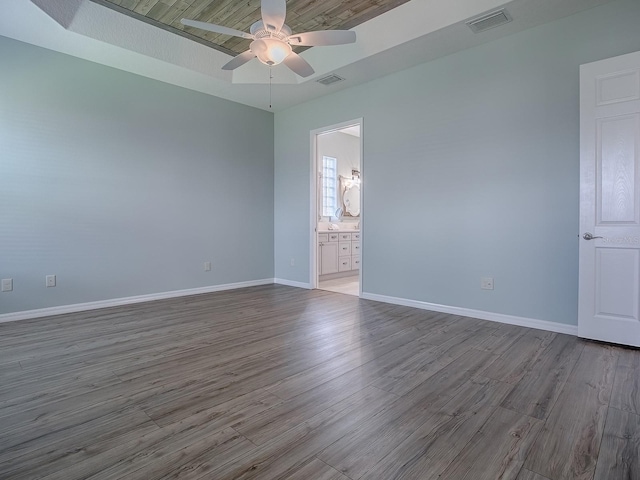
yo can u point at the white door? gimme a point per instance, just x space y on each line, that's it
609 296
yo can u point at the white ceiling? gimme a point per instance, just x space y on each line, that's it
353 130
413 33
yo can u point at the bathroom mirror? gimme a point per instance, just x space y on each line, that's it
351 199
350 193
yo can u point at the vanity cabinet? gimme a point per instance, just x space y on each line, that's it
338 252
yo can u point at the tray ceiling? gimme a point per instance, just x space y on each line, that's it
302 16
407 34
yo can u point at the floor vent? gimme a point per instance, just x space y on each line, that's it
329 79
489 21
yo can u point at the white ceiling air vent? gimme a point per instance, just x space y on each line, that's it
489 21
329 79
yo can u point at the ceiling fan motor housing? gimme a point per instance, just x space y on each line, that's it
258 30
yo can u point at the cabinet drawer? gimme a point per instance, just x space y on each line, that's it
344 264
345 237
344 248
355 248
323 237
355 236
333 237
355 262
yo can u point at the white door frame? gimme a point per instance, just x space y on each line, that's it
313 213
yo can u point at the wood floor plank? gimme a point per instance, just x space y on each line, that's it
216 419
498 450
569 444
291 451
155 461
180 399
391 348
367 444
529 475
40 456
501 339
626 387
433 446
22 400
54 421
424 364
126 458
451 326
317 470
9 368
512 365
289 413
85 377
427 361
620 450
540 387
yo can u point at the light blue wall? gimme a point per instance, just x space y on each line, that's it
471 168
123 186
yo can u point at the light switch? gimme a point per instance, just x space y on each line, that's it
7 284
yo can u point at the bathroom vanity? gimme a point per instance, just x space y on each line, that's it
338 252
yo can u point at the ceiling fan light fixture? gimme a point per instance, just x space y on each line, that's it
270 51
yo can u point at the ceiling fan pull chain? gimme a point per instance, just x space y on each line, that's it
270 77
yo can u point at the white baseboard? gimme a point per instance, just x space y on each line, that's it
291 283
467 312
115 302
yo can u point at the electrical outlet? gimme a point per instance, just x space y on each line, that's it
7 284
207 266
293 262
486 283
50 280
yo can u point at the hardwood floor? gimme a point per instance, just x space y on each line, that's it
276 382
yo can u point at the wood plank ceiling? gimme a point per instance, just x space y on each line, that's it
302 16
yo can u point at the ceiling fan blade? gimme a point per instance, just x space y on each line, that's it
322 38
299 65
273 14
239 60
215 28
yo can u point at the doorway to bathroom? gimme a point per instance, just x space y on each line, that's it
336 208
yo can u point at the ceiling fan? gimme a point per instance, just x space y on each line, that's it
272 39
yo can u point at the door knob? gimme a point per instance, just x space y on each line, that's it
588 236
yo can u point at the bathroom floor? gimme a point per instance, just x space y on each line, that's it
346 285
